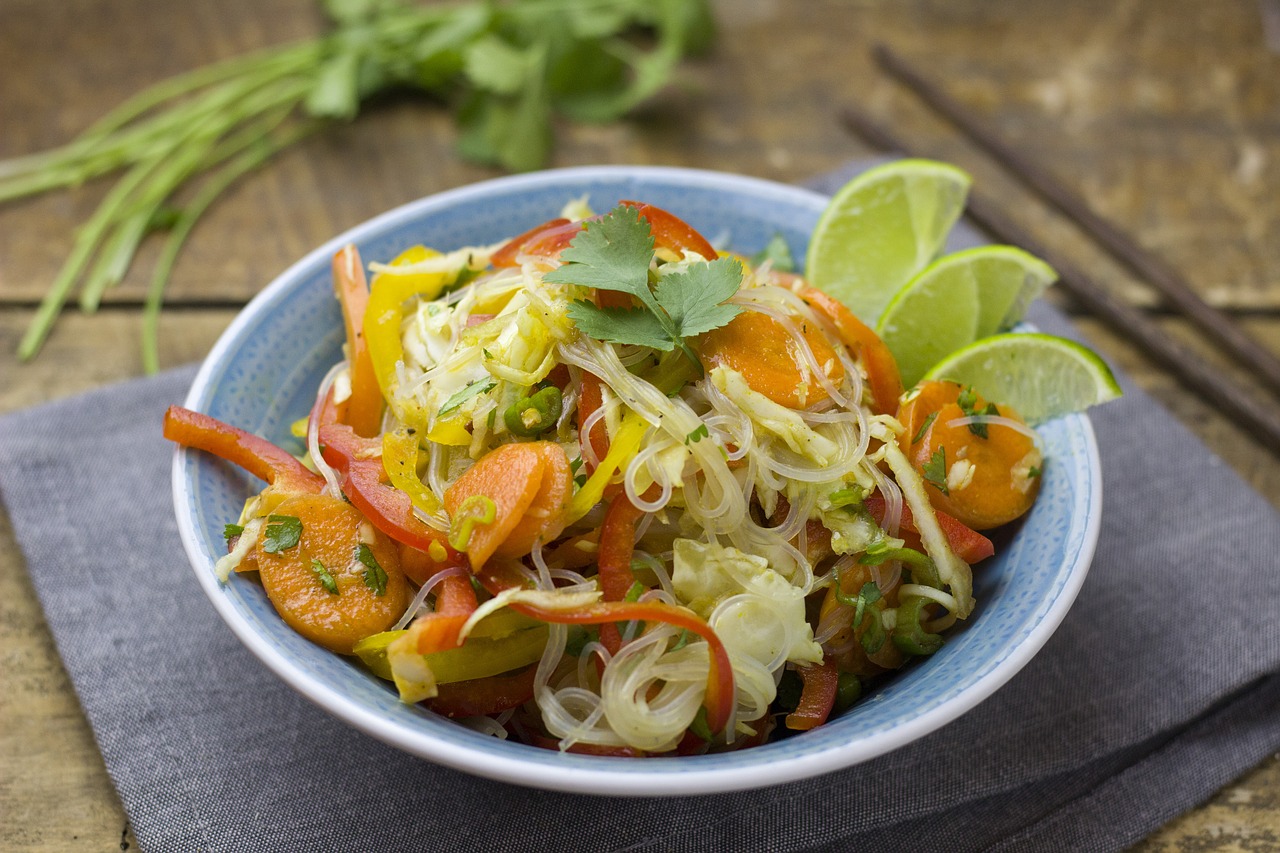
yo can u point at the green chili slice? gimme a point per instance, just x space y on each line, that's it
535 414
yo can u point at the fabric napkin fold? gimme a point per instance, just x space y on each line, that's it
1162 684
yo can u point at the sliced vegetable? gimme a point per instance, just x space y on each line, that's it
329 533
817 698
617 545
363 408
259 457
529 485
969 545
865 345
991 479
385 312
761 349
358 461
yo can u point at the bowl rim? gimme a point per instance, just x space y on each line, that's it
660 780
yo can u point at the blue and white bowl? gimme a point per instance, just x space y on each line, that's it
263 374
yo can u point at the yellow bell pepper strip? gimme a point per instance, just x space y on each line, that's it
400 459
256 455
363 409
385 312
476 658
358 463
623 447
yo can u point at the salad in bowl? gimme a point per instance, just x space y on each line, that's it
613 491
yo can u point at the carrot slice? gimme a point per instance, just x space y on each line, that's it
545 518
883 377
323 584
758 347
527 485
989 481
363 409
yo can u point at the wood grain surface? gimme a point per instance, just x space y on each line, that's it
1165 114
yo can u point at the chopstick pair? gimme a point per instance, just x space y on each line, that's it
1261 421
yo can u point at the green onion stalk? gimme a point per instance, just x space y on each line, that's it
506 68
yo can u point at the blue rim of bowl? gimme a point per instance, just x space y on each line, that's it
812 754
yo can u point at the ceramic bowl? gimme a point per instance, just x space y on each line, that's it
263 374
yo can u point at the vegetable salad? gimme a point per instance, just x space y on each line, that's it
604 488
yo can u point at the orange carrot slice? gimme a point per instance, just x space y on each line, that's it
883 377
526 485
758 347
319 579
545 517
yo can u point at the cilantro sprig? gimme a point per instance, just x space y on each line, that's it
616 253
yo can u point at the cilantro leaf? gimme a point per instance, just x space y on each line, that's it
612 253
924 427
620 325
693 298
231 531
615 253
935 470
375 577
475 389
282 533
697 435
326 579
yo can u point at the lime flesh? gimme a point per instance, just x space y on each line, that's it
957 300
881 229
1042 376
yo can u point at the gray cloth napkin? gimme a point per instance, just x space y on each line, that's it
1162 684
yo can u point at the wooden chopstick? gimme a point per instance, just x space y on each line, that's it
1171 284
1216 389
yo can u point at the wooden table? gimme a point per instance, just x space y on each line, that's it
1165 114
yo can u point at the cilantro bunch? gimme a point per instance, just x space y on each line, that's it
506 68
616 253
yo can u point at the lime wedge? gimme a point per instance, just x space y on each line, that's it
959 299
1041 376
932 316
881 229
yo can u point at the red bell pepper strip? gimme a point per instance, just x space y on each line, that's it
256 455
359 462
484 696
516 246
455 602
969 545
672 232
590 399
720 696
617 544
816 699
363 409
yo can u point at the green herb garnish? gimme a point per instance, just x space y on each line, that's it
281 534
508 69
231 531
374 576
697 435
924 427
475 389
968 401
326 579
614 253
776 251
935 470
